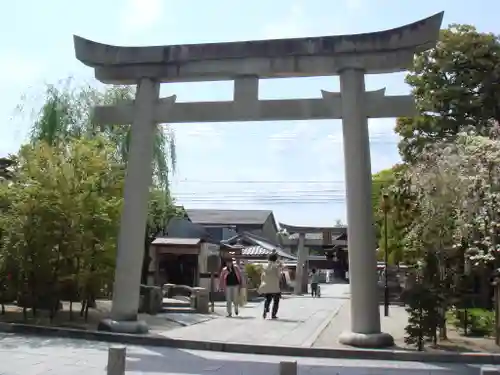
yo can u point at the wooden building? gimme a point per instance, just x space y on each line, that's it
181 255
222 225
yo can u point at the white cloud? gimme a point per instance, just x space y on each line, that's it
139 15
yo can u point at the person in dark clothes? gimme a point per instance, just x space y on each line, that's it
270 285
230 282
314 283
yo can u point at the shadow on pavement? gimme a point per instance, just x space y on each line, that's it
175 361
284 320
242 317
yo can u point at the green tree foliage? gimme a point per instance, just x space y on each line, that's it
449 189
385 182
381 183
456 88
61 223
61 212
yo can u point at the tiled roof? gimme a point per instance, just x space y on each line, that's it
228 217
254 251
165 241
181 227
259 251
314 236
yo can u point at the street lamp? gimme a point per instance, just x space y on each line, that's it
385 208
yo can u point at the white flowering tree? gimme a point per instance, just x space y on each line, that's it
457 186
478 215
456 190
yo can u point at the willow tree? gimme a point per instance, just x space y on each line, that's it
67 113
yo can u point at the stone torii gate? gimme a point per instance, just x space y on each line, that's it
349 56
302 270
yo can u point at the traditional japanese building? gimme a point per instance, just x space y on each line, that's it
181 255
317 247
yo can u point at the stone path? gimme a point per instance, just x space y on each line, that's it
20 355
394 325
301 320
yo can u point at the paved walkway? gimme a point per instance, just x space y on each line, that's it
20 355
301 320
394 325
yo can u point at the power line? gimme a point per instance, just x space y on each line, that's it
301 138
260 191
261 197
260 201
261 181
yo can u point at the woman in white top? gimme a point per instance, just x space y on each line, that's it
270 285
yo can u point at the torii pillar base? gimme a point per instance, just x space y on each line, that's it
367 340
138 327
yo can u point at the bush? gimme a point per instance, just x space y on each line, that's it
253 272
424 300
475 321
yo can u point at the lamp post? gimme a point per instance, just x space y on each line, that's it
385 208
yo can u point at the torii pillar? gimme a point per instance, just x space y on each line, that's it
365 313
301 275
138 178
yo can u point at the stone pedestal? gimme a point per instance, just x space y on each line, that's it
288 368
168 290
117 356
201 300
134 213
151 299
365 314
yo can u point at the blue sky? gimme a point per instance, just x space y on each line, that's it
293 168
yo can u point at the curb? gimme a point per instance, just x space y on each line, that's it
318 331
160 341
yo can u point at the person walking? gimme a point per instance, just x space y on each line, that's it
270 285
230 281
314 283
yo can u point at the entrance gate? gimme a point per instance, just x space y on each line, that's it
349 56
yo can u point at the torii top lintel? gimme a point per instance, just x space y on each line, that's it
378 52
308 229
